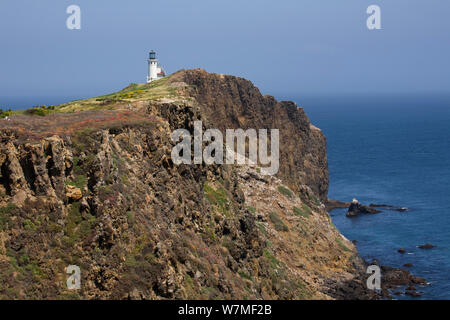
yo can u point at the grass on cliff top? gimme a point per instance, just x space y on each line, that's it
153 91
134 92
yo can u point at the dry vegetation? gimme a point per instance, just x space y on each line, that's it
32 128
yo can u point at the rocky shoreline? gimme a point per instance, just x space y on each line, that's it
395 281
393 278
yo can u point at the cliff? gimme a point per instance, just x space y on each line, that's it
92 184
229 102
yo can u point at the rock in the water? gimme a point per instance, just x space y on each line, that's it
374 205
408 265
389 207
426 246
413 293
400 277
357 208
418 280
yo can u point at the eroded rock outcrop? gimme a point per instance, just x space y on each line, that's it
357 208
228 102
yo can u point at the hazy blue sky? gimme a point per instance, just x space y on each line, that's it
286 47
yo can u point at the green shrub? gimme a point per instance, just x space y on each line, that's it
302 291
315 200
37 111
217 197
342 245
125 180
4 114
269 256
278 223
285 191
188 280
245 275
29 225
304 212
72 233
262 228
130 216
80 181
5 217
69 296
86 226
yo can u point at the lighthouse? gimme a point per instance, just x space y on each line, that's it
155 71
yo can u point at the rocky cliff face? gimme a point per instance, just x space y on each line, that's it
228 102
98 188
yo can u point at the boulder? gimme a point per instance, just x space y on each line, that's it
73 193
411 288
357 208
418 280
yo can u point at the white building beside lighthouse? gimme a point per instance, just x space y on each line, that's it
155 71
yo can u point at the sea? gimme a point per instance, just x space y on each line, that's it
392 149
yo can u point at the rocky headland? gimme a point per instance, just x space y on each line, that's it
92 183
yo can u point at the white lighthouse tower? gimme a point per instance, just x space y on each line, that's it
155 71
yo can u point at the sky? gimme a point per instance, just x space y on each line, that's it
285 47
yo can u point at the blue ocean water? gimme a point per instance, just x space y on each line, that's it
25 102
392 150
